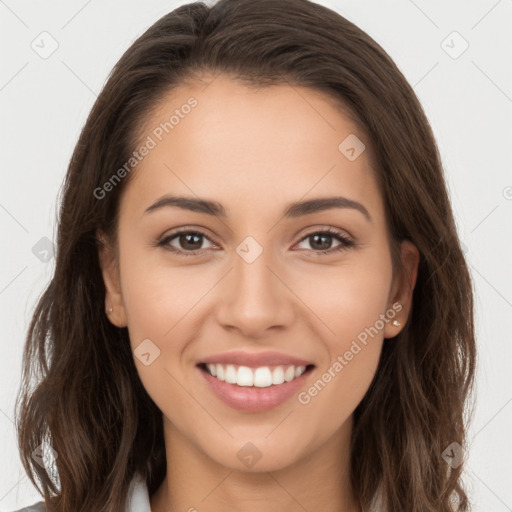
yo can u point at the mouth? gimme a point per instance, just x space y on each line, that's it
259 377
254 382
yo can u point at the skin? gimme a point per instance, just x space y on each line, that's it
254 151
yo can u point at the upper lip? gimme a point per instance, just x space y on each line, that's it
255 359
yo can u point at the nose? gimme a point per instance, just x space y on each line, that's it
255 297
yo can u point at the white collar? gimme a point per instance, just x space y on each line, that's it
138 497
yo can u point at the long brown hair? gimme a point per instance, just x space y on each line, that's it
80 390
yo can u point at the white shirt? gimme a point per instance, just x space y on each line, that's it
138 496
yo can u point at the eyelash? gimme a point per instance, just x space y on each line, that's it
345 242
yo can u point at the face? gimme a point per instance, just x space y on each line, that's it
290 305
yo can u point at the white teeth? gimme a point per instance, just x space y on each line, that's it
212 369
278 375
261 377
230 375
220 372
244 377
289 374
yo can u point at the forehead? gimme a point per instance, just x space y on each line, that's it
251 148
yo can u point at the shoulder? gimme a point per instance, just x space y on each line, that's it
36 507
138 498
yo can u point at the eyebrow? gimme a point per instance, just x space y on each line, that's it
293 210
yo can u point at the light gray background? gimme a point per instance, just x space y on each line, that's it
468 99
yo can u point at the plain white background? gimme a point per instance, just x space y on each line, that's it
467 96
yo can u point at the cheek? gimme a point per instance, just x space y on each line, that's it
351 301
338 390
159 301
352 306
347 298
157 296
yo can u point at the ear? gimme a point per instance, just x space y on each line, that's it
110 271
402 288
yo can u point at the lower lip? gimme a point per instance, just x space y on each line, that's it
250 398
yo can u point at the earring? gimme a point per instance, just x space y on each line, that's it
110 310
397 323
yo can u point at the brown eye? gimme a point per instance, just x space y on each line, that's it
186 243
190 241
321 242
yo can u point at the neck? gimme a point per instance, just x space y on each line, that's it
318 481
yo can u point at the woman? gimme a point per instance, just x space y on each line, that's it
260 301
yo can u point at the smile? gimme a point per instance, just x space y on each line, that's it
260 377
255 388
